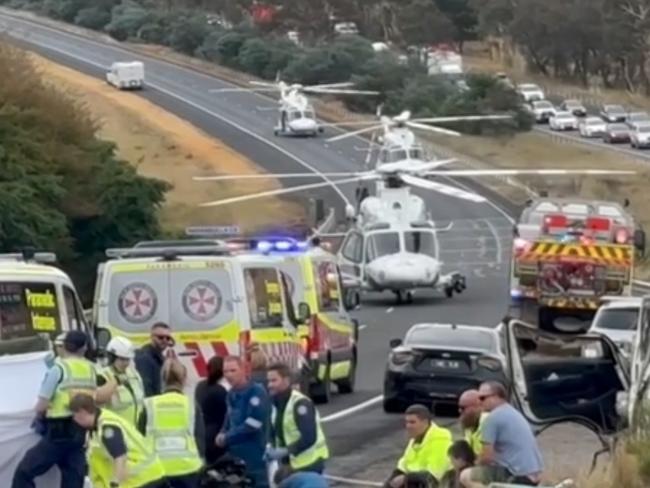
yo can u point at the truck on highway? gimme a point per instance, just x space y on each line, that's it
126 76
568 254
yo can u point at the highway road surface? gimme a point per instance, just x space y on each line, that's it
478 243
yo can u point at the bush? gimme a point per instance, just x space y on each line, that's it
188 33
254 56
93 18
127 19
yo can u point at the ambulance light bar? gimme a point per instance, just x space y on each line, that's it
29 255
268 244
169 252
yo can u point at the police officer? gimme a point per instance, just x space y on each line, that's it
174 425
63 440
246 429
120 385
297 434
118 455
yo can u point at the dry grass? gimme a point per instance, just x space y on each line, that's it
166 147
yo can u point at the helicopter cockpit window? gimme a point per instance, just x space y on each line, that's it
416 154
397 155
382 244
309 114
420 242
295 115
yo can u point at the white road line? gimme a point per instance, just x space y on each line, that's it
390 309
209 112
498 240
346 412
350 481
363 326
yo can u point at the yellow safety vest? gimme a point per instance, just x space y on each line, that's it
142 464
127 403
429 455
473 438
291 433
78 376
170 431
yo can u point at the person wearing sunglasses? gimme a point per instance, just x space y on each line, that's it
150 357
471 418
509 453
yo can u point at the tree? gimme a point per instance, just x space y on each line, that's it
422 23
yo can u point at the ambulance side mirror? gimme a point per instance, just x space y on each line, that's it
304 312
103 338
639 241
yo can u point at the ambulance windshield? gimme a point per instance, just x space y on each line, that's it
327 283
264 297
27 309
190 296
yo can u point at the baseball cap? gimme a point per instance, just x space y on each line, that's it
75 340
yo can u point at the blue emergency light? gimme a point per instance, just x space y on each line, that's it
280 245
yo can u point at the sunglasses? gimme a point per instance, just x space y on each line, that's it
485 397
163 337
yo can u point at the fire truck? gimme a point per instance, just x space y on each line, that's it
567 255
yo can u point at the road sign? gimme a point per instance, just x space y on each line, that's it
213 231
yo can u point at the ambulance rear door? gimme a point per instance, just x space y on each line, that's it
270 325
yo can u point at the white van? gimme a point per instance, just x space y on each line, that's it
216 303
126 76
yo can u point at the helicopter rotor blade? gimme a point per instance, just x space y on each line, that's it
351 123
284 191
449 190
262 176
264 83
515 172
353 133
345 84
432 128
234 90
319 91
462 117
370 147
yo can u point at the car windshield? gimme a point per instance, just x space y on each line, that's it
543 104
472 339
644 129
572 103
617 319
639 116
421 242
614 109
528 87
594 122
618 127
564 115
382 244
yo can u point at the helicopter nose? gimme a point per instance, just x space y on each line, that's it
408 270
303 125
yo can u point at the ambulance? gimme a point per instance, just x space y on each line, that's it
37 299
329 335
216 302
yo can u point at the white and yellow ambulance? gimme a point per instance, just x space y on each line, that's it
36 299
216 302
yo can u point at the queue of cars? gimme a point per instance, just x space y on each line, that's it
613 124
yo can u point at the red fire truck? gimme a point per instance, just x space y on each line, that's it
567 255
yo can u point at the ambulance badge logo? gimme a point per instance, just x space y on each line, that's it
137 303
202 300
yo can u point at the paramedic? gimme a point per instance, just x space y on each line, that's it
62 443
174 426
149 358
471 418
245 432
298 437
120 386
118 455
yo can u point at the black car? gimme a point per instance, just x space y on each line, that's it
436 363
613 113
575 107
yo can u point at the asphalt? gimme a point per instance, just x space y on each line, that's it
478 242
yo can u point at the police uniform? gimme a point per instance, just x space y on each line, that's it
173 425
128 399
63 440
297 427
246 429
114 437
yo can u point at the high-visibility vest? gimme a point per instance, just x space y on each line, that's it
142 463
78 376
291 434
429 455
473 437
170 431
127 403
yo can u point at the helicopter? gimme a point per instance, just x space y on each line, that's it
297 116
393 245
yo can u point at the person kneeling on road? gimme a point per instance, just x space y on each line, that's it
426 453
510 453
118 455
298 437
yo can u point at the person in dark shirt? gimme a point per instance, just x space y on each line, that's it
462 456
149 358
210 396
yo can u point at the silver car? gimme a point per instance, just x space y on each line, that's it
617 319
592 127
640 136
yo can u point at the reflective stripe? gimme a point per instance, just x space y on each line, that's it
254 423
78 375
126 402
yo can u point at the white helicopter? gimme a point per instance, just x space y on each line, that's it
297 115
394 245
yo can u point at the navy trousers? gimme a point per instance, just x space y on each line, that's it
185 481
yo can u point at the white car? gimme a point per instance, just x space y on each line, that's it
126 76
617 319
592 127
640 136
530 92
563 121
542 110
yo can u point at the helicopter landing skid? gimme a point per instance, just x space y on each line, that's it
452 282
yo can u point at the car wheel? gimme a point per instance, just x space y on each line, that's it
394 405
321 392
449 292
346 385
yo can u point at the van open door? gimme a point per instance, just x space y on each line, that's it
640 365
559 378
